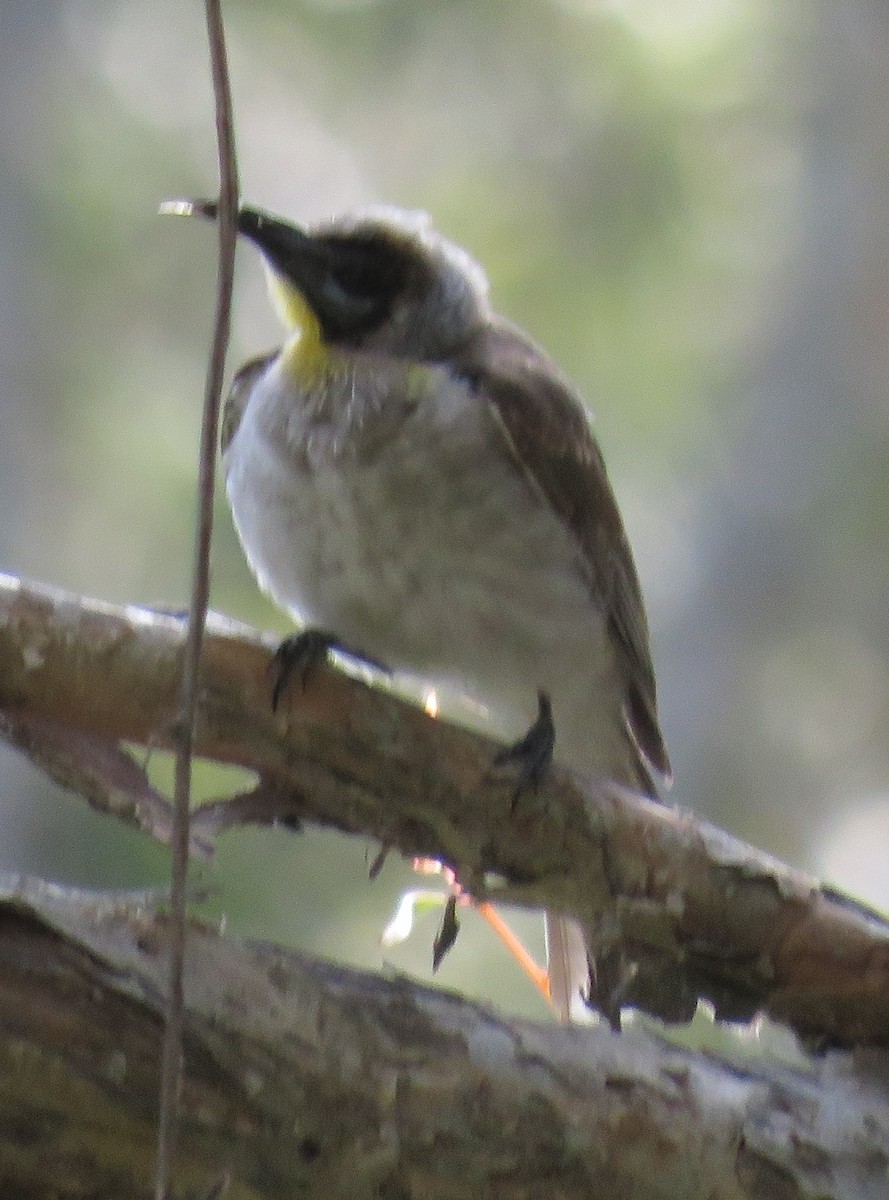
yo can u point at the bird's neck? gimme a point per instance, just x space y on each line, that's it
305 355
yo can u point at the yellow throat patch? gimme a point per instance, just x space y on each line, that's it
304 354
309 360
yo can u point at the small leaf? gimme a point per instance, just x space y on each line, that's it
447 934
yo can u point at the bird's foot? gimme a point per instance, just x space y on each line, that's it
300 653
533 753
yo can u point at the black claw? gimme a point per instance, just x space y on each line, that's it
302 652
299 652
534 752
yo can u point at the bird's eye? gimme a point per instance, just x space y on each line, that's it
366 266
361 277
348 298
340 290
354 279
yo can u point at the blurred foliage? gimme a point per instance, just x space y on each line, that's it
686 204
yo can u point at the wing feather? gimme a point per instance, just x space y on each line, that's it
547 431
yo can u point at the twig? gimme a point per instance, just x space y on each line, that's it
184 734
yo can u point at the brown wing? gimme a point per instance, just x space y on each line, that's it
550 437
238 395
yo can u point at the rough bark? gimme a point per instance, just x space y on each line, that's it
678 910
307 1079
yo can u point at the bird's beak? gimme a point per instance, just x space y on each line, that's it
300 263
297 267
290 251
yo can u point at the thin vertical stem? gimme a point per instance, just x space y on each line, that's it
171 1062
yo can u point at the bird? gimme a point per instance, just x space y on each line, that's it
412 473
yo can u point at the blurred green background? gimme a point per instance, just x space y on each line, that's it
686 203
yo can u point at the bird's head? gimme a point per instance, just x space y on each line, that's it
379 280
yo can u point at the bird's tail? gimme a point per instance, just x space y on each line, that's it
571 970
567 965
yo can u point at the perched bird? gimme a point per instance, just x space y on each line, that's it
410 472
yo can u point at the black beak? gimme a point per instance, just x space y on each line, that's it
343 282
290 250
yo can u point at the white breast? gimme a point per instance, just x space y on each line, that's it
405 528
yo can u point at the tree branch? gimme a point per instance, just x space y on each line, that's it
678 910
304 1078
